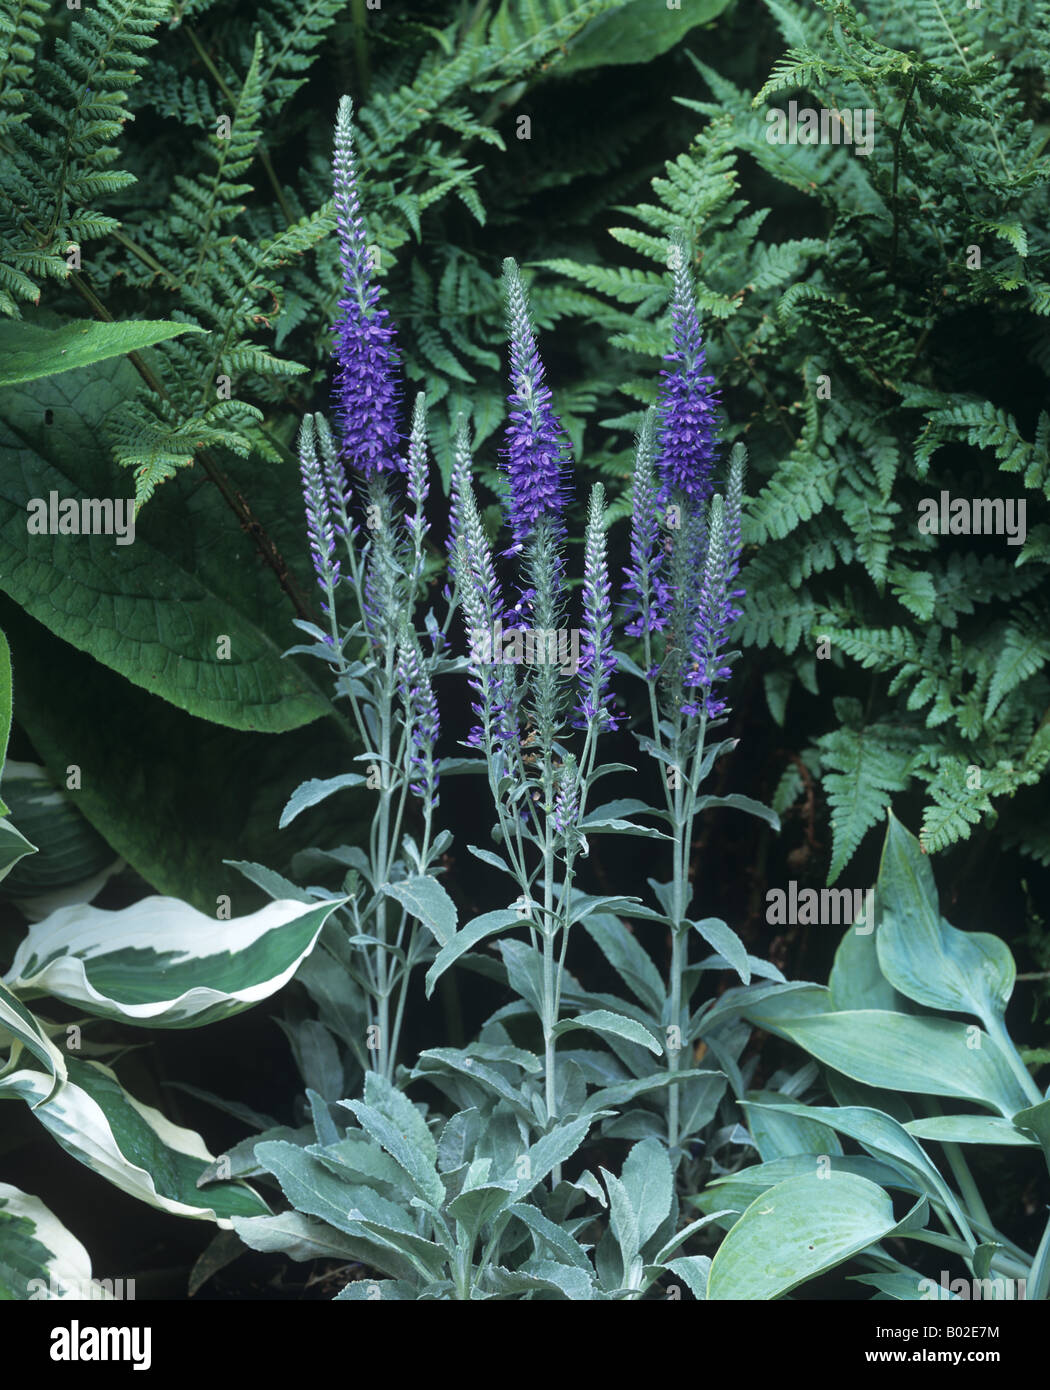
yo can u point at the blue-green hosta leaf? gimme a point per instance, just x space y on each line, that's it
968 1129
130 1144
780 1129
461 941
17 1020
887 1140
161 963
605 1021
856 981
425 898
799 1229
924 957
908 1288
902 1052
28 351
739 1190
39 1257
1035 1120
316 790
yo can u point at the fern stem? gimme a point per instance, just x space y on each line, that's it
896 167
262 542
260 149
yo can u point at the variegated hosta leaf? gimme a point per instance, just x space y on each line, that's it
39 1258
18 1024
13 847
130 1144
163 964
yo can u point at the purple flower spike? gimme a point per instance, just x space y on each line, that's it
366 394
688 421
537 451
421 715
652 596
715 614
598 660
319 527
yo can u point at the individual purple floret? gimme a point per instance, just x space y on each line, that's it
421 715
366 392
688 421
319 529
598 660
537 451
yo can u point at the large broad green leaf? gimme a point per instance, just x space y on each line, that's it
856 982
39 1257
887 1140
902 1052
739 1190
780 1129
130 1144
221 787
799 1229
17 1020
920 954
968 1129
28 351
635 32
158 610
161 963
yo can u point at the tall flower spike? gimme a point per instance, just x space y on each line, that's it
536 450
319 528
688 421
459 479
366 392
733 513
642 575
598 659
421 715
336 483
714 616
